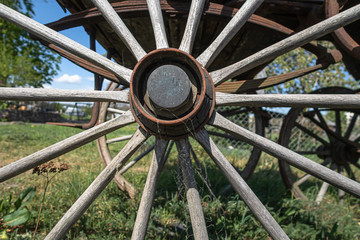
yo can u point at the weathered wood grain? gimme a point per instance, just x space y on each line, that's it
287 155
192 24
286 45
64 146
157 22
240 186
240 18
96 187
147 198
342 101
243 86
50 94
120 28
192 193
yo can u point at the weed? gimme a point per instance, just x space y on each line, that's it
48 171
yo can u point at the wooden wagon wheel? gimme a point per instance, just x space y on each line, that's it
334 142
189 105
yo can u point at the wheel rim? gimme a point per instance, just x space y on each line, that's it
205 59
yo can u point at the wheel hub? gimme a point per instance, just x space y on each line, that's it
340 153
343 154
168 88
171 94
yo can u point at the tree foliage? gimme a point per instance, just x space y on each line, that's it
24 61
333 75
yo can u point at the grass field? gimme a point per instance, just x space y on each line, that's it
112 215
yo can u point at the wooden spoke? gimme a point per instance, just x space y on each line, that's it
307 177
49 94
286 45
120 28
203 174
83 63
194 16
96 187
322 192
114 110
51 36
288 100
240 186
324 187
192 193
302 180
119 139
240 18
323 125
349 171
261 83
341 193
143 215
321 118
62 147
351 126
157 23
330 133
138 158
287 155
310 133
337 122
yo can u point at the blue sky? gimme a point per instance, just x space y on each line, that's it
70 76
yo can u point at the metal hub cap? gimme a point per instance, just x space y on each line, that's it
171 94
168 87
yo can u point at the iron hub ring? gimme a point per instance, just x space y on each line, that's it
171 94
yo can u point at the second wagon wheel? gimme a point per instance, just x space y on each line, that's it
328 136
178 109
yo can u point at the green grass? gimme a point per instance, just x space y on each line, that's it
113 213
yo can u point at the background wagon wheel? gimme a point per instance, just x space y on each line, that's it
108 111
328 136
192 102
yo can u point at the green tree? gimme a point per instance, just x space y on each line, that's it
334 75
24 61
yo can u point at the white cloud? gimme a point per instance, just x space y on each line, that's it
90 78
66 78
